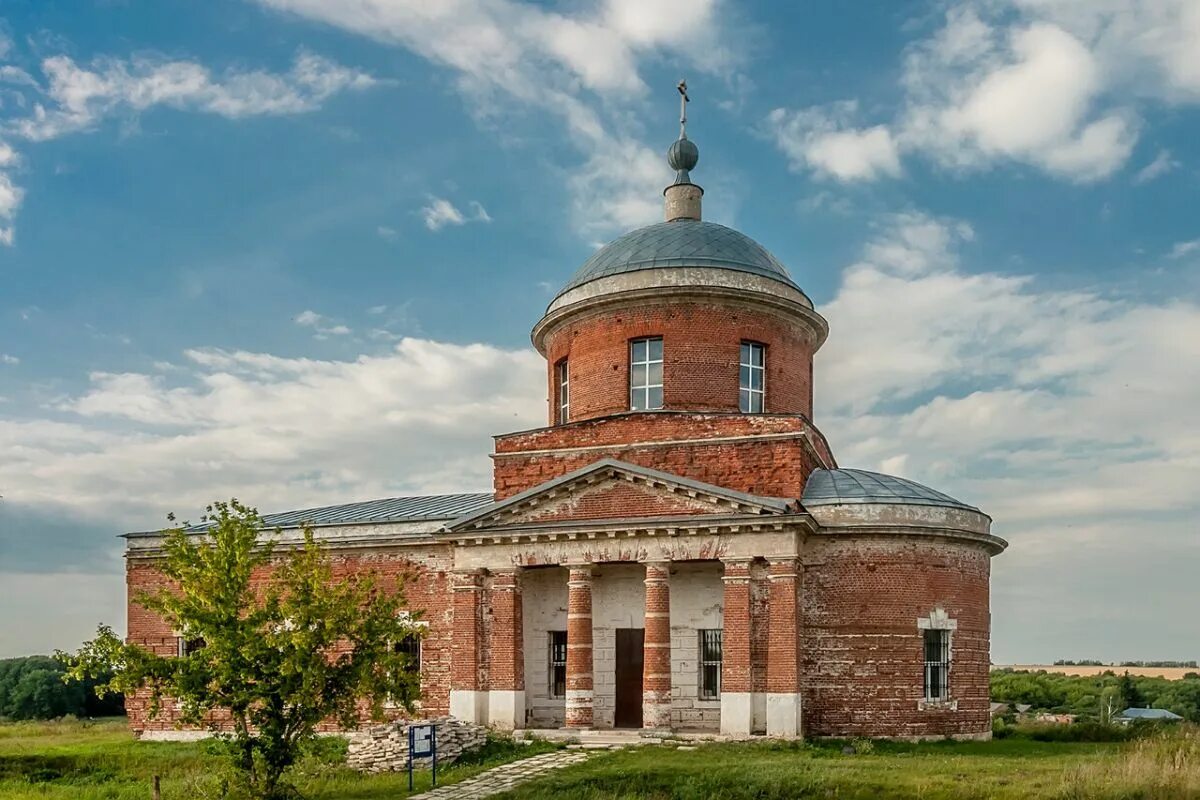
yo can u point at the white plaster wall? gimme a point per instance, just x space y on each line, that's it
696 599
618 601
544 609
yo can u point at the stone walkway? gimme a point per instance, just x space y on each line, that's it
506 776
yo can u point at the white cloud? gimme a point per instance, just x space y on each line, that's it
77 98
322 326
441 212
386 233
825 141
1028 93
279 432
1055 84
1181 249
1056 411
1161 165
519 55
5 358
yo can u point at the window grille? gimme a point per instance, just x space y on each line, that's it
558 663
937 664
646 374
752 377
410 647
188 646
564 393
710 664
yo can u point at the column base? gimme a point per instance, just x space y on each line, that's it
506 709
783 715
737 713
580 709
469 705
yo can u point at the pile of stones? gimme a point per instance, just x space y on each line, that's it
384 748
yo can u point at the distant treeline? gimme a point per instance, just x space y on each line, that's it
1090 662
32 688
1093 696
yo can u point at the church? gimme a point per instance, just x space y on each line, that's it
677 549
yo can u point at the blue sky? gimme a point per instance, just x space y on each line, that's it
292 250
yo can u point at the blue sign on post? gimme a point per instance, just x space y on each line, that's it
422 743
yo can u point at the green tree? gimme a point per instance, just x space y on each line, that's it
285 646
1131 695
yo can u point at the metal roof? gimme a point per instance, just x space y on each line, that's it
1149 713
392 509
681 243
837 486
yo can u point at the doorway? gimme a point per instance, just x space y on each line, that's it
628 702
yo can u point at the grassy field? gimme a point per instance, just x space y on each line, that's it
102 761
90 761
1011 769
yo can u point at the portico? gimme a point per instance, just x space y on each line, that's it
653 623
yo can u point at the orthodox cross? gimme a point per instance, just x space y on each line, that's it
683 101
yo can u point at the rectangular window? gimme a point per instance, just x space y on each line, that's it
646 374
188 646
752 378
558 663
410 647
710 664
937 664
564 393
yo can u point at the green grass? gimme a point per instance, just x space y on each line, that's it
90 761
1013 769
102 761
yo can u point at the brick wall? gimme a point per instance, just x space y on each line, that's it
426 580
862 672
769 455
701 347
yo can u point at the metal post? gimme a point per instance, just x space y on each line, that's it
156 792
410 759
434 743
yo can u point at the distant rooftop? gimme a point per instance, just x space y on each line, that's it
837 486
392 509
1149 713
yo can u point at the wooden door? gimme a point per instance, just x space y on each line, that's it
629 677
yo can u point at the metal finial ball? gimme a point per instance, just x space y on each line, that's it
683 155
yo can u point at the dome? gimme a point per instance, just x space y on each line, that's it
681 243
683 155
827 487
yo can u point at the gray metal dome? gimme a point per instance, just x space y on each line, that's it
681 243
827 487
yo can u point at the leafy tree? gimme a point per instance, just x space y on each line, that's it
285 646
33 688
1131 696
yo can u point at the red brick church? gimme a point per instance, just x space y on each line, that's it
677 549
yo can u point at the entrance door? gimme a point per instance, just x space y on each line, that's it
629 677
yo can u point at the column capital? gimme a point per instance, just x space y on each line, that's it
467 580
736 569
657 572
779 567
505 579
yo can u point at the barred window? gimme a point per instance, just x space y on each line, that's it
410 648
710 664
937 664
646 374
188 646
564 393
558 663
752 377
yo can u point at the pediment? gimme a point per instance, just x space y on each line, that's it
611 489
